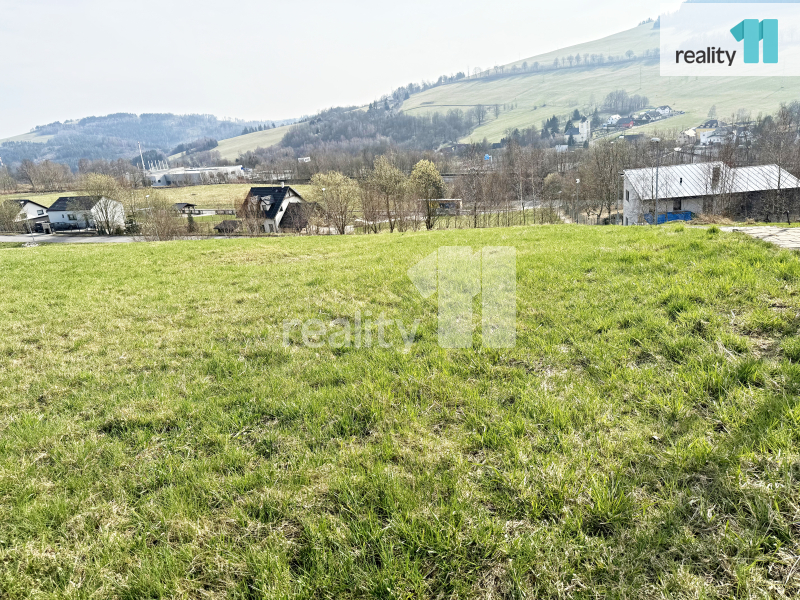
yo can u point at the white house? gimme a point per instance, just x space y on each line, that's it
612 120
664 111
581 133
86 212
687 138
31 211
687 188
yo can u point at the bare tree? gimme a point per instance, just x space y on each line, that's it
106 210
28 172
388 183
338 196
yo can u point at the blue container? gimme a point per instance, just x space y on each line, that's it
683 215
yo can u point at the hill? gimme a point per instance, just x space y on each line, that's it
232 148
532 97
116 136
160 438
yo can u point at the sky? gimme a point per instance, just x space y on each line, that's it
265 60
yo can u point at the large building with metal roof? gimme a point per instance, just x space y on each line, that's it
761 192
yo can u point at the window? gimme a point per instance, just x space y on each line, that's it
627 195
676 204
39 212
72 217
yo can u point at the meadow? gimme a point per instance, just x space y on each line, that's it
231 148
163 433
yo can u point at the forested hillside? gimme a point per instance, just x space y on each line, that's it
115 136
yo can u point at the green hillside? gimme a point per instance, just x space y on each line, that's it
233 147
27 137
531 97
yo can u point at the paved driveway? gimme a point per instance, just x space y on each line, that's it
41 238
785 237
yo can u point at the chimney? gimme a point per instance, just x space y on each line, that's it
281 184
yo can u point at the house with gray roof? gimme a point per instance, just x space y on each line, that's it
87 212
713 187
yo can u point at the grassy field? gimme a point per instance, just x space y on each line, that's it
157 438
537 97
233 147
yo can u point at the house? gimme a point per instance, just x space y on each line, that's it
228 226
581 133
684 190
625 123
186 208
31 212
613 120
87 212
275 209
718 136
687 138
572 132
664 111
647 117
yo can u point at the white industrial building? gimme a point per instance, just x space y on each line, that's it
699 188
194 176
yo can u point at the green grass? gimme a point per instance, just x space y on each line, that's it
7 245
564 90
640 441
233 147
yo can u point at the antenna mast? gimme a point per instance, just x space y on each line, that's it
141 156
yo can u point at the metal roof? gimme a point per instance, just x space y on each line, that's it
687 181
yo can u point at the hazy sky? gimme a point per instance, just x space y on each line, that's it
66 59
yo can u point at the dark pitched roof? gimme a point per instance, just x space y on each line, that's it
274 196
182 205
74 203
572 131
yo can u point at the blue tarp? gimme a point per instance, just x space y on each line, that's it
684 215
